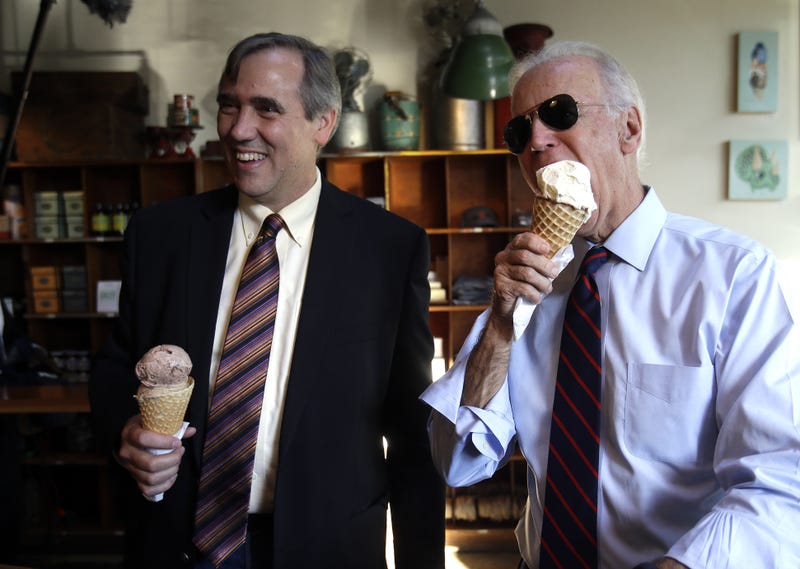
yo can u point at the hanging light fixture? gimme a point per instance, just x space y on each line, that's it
479 64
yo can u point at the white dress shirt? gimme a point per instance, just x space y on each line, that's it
292 245
700 436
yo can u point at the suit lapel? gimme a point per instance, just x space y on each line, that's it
333 233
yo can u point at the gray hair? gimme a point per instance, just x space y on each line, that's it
319 89
620 86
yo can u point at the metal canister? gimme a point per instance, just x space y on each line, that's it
399 121
180 111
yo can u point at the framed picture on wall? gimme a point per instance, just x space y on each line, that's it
758 169
757 77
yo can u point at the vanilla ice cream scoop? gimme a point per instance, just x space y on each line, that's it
564 204
567 182
164 366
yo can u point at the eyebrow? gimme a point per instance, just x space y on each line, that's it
228 98
267 102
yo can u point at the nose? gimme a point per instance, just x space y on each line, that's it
542 136
241 125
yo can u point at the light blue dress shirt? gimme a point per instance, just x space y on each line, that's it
700 443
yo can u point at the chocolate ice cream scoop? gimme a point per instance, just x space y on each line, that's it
164 366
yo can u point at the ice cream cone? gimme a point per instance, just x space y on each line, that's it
556 222
163 410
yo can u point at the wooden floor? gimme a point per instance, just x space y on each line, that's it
481 549
456 559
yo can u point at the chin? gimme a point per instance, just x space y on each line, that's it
249 185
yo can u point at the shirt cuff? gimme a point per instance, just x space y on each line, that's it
490 429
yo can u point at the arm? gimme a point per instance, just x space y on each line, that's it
471 427
521 269
112 385
668 563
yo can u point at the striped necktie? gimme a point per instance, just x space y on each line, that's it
232 428
569 527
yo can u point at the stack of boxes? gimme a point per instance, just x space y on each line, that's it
59 289
438 292
74 297
63 289
45 285
59 214
438 363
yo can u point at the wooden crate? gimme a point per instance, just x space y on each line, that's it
82 115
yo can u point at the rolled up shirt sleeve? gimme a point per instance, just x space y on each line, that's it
468 443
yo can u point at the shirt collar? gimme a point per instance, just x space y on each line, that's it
298 216
635 237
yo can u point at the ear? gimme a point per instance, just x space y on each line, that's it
630 137
326 122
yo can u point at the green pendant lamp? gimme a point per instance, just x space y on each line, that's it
479 64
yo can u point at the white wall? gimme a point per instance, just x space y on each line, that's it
683 53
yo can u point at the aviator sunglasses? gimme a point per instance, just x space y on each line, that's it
559 113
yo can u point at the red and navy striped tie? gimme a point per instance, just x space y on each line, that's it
569 527
232 429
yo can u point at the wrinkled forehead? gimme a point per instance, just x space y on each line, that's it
577 76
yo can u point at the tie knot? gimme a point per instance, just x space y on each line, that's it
593 260
271 226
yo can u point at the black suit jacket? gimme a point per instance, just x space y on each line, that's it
361 358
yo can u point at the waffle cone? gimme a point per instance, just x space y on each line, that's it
163 411
556 222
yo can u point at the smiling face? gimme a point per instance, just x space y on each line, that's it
269 144
604 141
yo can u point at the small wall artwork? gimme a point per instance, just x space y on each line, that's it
757 83
758 169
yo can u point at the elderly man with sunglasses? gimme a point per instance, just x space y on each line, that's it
698 460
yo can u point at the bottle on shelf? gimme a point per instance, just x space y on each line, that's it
119 219
101 221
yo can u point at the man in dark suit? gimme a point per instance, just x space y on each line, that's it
351 350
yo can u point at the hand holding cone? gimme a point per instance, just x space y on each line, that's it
564 203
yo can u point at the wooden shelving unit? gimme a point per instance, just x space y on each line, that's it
142 182
67 495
